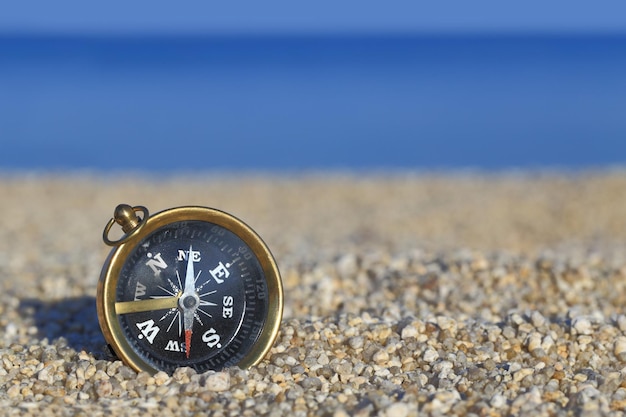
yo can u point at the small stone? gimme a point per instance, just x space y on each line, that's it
217 382
534 342
397 410
69 400
498 401
547 343
620 348
509 332
311 383
514 367
161 378
347 266
430 355
343 368
409 331
582 325
522 373
381 356
13 391
587 399
104 388
490 365
46 375
356 342
446 323
183 375
537 319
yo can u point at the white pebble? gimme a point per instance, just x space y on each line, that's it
547 343
522 373
582 325
537 319
356 342
620 348
381 356
347 266
218 381
397 410
160 378
103 388
446 323
498 401
430 355
323 359
621 322
409 331
534 342
514 367
46 375
10 330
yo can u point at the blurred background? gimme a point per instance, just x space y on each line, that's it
292 86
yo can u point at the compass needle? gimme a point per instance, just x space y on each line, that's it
153 304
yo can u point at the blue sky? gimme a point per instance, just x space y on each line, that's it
194 16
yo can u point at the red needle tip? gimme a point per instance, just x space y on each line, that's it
187 342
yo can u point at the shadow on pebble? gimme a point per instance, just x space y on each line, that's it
70 321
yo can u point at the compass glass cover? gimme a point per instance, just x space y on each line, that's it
222 297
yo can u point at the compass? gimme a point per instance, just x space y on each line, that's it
188 287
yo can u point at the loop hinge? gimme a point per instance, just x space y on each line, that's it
126 217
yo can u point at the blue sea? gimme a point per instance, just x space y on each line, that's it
284 103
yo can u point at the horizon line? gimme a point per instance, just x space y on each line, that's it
268 34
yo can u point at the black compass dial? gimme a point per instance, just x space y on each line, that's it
191 293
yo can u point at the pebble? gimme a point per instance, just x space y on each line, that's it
409 331
387 309
522 373
398 410
381 357
534 342
620 348
537 319
161 378
218 381
498 401
356 342
582 325
430 355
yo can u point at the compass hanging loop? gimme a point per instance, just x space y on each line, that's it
126 217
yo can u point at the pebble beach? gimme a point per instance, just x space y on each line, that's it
406 294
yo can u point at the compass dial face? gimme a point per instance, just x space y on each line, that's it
191 293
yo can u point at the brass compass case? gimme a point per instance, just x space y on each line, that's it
189 286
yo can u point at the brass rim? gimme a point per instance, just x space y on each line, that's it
107 285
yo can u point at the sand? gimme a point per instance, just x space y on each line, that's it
438 294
